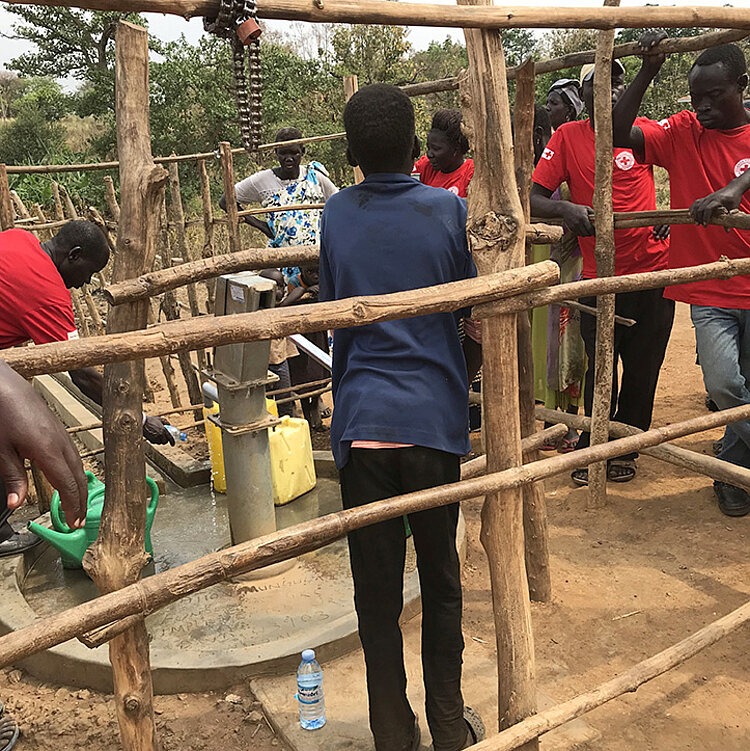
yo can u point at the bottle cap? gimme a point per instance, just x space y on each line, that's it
308 655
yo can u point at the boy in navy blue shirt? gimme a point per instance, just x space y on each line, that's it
400 419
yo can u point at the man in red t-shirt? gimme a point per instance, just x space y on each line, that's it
569 157
35 305
446 165
707 154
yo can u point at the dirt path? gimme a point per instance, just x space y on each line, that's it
662 551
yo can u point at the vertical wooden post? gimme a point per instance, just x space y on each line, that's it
111 196
495 230
75 296
178 218
117 557
21 209
208 230
7 218
351 87
536 536
605 259
44 234
59 213
70 208
227 172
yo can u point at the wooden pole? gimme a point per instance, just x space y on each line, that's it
166 365
156 282
59 213
495 231
183 247
39 213
536 536
111 196
351 87
152 593
70 209
208 229
275 323
227 173
172 313
117 557
7 215
605 259
83 323
723 269
716 469
669 46
413 14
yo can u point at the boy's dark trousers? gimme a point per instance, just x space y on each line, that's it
641 349
377 555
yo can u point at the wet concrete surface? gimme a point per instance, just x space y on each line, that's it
255 626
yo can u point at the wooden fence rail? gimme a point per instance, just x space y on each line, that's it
155 592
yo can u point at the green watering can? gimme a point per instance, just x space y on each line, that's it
73 543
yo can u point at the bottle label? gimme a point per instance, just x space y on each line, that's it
310 688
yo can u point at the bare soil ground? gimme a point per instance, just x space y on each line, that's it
629 580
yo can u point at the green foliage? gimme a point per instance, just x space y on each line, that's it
374 53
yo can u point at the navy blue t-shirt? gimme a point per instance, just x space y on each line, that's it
400 381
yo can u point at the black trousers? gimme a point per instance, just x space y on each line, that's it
639 348
284 382
377 555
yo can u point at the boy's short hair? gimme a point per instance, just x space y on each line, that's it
287 134
379 123
729 55
449 122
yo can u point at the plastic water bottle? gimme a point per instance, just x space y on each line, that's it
312 705
176 433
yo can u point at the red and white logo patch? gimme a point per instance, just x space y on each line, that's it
453 189
665 124
548 154
625 161
741 167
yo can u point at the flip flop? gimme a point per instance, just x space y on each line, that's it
621 470
568 443
549 446
477 731
580 476
19 543
325 413
9 733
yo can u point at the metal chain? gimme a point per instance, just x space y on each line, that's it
232 13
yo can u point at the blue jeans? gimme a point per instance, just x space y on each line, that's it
722 336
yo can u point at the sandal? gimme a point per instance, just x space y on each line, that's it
621 470
9 733
568 443
580 476
325 413
549 446
477 731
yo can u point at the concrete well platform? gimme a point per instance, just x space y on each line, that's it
212 638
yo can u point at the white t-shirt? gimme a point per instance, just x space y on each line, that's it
263 185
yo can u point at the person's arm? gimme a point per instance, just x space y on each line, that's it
727 198
329 189
251 220
31 431
624 134
91 383
577 218
294 297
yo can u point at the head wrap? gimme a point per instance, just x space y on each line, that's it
587 71
569 92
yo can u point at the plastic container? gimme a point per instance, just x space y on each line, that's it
176 433
312 704
292 466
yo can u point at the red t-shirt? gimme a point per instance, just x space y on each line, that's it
700 162
34 302
569 158
456 182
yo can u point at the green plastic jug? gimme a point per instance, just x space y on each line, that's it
73 543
